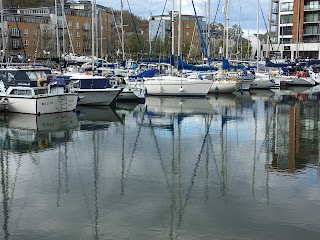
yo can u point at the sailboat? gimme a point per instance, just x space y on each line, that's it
224 82
172 85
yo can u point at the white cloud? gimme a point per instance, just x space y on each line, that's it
247 17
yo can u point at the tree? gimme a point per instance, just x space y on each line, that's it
185 47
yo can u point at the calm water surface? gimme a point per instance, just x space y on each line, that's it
242 166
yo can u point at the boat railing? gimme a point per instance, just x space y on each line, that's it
20 65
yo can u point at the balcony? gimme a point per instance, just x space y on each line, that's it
15 34
16 46
86 38
86 28
311 8
273 34
274 22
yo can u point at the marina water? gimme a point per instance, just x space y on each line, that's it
242 166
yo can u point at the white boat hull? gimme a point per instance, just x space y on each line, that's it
245 84
98 97
261 84
224 86
176 86
132 94
42 104
294 80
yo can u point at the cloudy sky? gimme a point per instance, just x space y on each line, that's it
243 11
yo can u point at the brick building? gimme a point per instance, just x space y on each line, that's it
41 31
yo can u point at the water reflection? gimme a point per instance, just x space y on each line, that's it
175 168
26 132
295 130
96 117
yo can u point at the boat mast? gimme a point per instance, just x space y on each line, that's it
172 34
179 30
122 32
96 16
56 29
2 33
63 28
269 30
209 28
298 30
92 32
226 27
258 40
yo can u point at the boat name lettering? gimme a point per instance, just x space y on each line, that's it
47 103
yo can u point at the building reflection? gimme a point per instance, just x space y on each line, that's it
295 132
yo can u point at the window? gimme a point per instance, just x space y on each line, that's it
287 30
35 32
15 43
69 24
86 26
311 17
284 19
187 34
78 45
26 32
15 32
187 26
77 25
312 5
285 40
311 30
26 43
77 35
286 6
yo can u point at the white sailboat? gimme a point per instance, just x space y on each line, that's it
224 82
171 85
261 80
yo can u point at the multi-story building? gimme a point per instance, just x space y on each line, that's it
189 35
43 32
295 26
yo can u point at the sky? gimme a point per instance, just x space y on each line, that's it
241 11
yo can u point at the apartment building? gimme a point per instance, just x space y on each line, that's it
161 24
43 32
295 26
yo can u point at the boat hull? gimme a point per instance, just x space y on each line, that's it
97 97
132 94
42 104
293 81
176 86
224 86
245 84
262 84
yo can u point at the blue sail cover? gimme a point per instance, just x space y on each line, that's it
146 73
285 64
226 65
169 60
187 66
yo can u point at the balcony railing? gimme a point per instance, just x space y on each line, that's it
16 46
15 34
311 8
